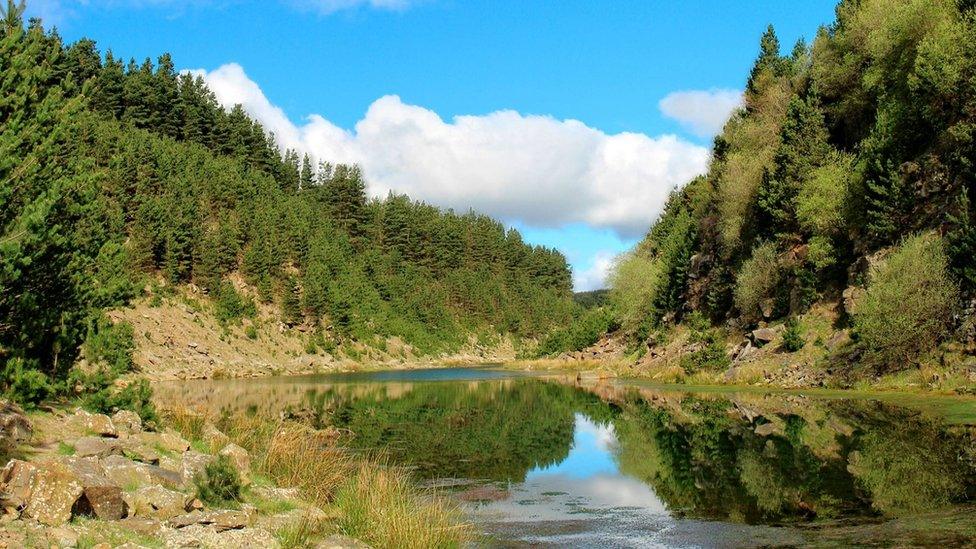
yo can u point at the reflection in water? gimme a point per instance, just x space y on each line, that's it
624 466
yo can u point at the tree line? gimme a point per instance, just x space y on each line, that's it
113 172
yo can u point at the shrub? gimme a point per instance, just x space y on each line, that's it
231 306
758 280
24 384
103 397
251 332
219 484
793 337
635 283
109 344
710 355
908 304
585 330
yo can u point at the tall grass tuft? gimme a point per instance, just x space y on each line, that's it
383 508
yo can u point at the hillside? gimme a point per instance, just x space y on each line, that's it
125 182
836 216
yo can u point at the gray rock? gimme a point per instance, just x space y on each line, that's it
97 446
338 541
54 490
206 536
157 502
239 458
214 437
221 520
193 464
763 336
100 496
15 428
127 421
16 479
97 424
767 429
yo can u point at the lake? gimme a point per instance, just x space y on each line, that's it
548 460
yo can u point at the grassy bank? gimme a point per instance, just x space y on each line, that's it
366 499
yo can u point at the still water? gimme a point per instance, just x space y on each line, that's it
546 461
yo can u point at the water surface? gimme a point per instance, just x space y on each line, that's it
544 461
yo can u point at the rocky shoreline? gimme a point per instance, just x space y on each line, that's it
78 479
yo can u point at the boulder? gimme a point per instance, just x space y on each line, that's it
15 428
62 536
193 464
97 446
767 429
96 424
157 502
127 421
763 336
173 442
140 452
54 491
214 437
127 473
100 496
16 479
206 536
239 458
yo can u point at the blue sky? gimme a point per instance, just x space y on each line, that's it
561 133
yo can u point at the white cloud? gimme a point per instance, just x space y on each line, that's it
595 277
534 169
701 112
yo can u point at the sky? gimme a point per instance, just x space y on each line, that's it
570 120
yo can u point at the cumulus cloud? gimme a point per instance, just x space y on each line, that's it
594 277
701 112
532 169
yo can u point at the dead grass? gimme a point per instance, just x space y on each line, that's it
376 503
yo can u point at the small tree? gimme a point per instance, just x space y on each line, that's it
793 337
908 304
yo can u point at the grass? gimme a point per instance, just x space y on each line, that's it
382 507
94 532
301 533
65 449
378 504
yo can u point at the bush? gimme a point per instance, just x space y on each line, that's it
219 484
109 344
24 384
908 304
251 332
585 330
710 355
101 396
793 337
758 280
231 306
636 282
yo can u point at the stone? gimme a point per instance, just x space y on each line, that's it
338 541
767 307
127 421
173 442
96 424
127 473
239 458
140 452
221 520
214 437
767 429
763 336
15 428
97 446
16 479
100 496
54 491
206 536
157 502
193 464
63 537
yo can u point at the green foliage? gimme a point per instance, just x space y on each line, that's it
586 328
758 280
25 385
709 347
109 344
102 396
219 484
792 336
230 306
909 303
636 282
